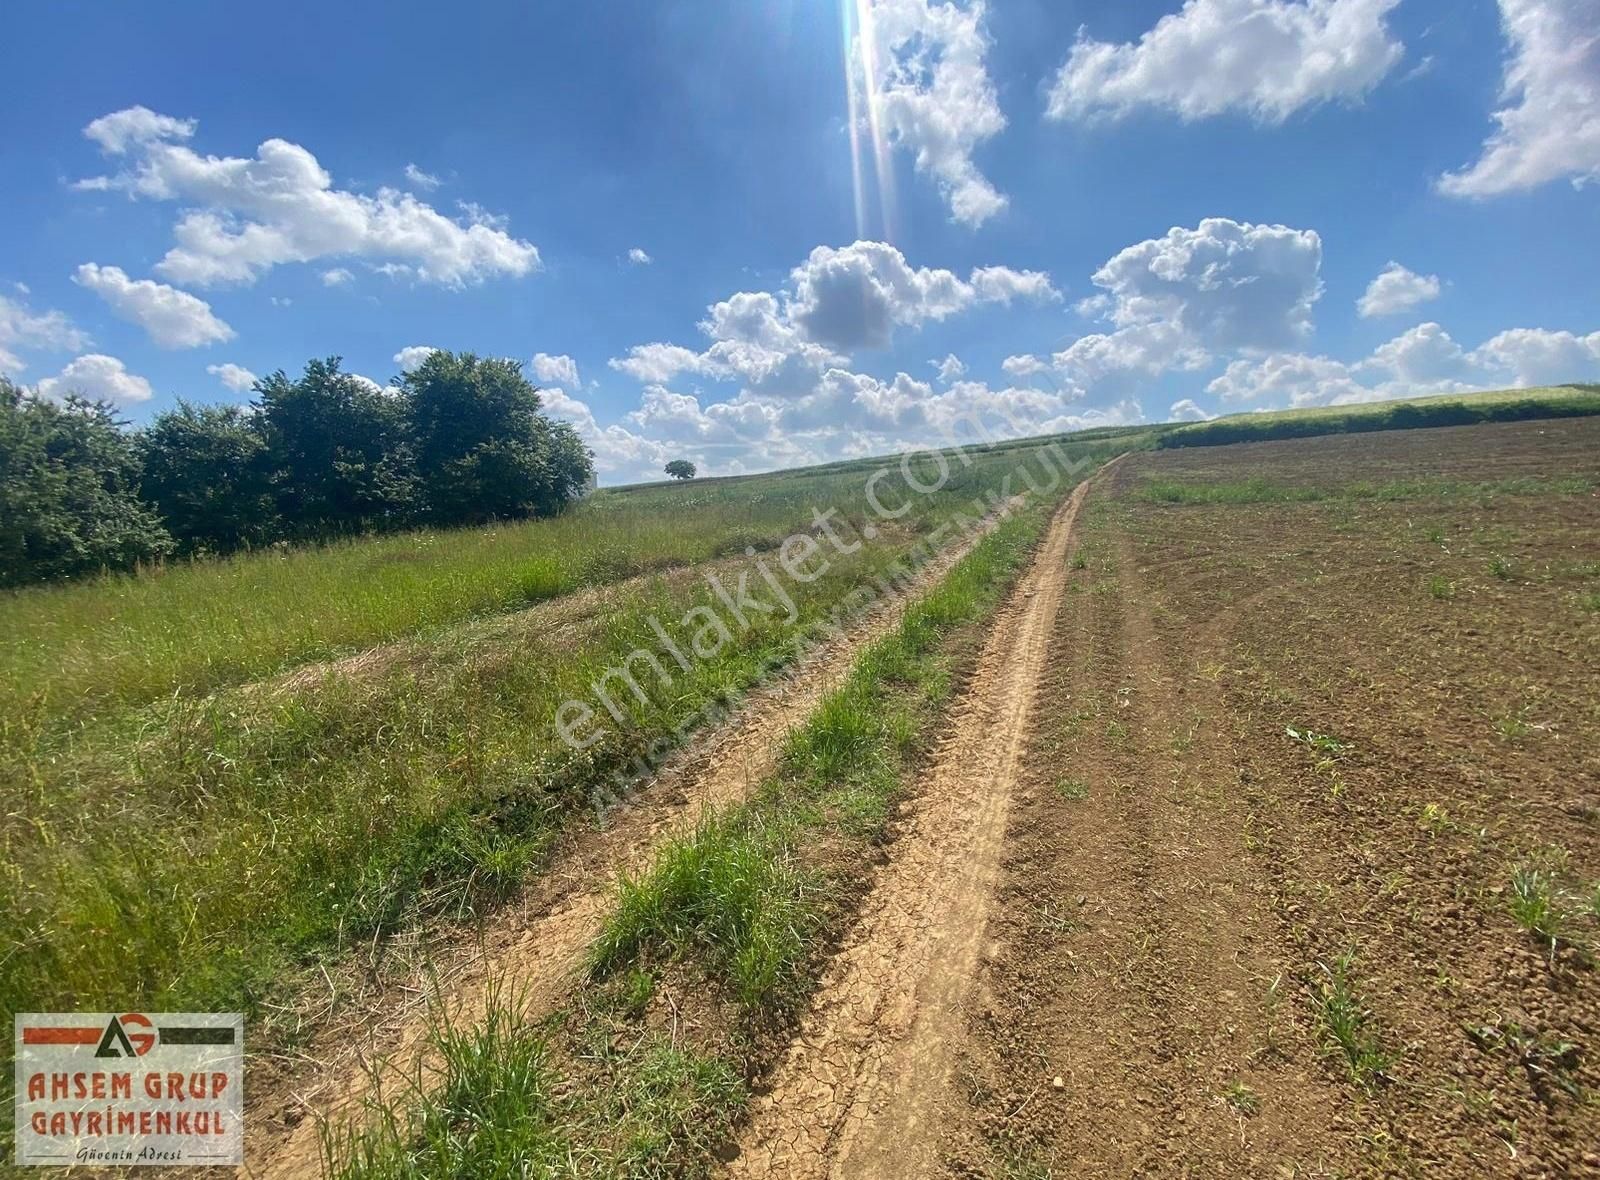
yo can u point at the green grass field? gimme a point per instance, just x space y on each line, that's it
184 629
1506 405
187 629
184 827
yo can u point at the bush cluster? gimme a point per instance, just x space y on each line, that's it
458 440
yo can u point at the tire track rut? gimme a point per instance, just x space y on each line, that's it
860 1089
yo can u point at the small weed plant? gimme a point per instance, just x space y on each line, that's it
1243 1099
1348 1026
1548 911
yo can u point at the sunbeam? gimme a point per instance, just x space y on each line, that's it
865 103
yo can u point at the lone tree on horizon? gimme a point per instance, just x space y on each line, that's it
680 469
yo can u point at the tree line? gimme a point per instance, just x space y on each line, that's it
458 440
1569 401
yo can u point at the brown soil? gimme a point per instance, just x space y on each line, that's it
1135 958
1182 874
531 950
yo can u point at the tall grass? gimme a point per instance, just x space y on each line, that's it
733 892
196 851
189 628
1508 405
504 1107
192 628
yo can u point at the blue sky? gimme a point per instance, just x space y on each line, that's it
1103 211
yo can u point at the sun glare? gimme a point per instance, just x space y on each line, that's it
869 147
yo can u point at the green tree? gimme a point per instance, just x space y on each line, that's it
681 469
68 491
484 448
337 457
204 470
570 462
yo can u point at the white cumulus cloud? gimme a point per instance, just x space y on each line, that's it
1424 361
1292 379
21 327
1265 58
235 377
657 362
1177 301
933 95
854 296
1001 284
1188 410
840 300
1126 355
413 355
135 126
243 216
1024 366
98 378
1550 127
555 370
172 318
1426 358
1536 356
638 257
1220 287
1228 284
1397 289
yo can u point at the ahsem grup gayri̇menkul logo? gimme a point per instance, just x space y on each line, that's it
131 1088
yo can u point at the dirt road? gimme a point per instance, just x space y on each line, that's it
860 1088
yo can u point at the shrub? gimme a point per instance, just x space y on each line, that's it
69 499
204 469
484 449
335 452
